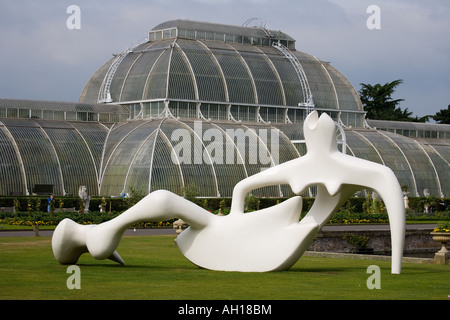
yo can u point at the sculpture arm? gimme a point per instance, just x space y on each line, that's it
272 176
381 179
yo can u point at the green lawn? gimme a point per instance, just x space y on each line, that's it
155 269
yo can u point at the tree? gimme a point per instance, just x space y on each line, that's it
190 192
443 116
378 103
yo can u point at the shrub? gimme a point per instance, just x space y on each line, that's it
442 226
30 209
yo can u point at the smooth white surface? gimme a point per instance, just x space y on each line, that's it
265 240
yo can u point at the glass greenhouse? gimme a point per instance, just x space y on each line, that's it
207 105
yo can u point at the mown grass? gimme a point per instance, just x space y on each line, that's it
155 269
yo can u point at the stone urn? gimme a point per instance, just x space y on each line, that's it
180 225
443 255
443 238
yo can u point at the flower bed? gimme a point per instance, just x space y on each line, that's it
28 210
442 226
46 219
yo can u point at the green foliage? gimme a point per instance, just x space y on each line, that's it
252 203
373 205
355 210
378 103
443 116
135 196
190 192
418 204
442 226
360 241
346 217
222 204
49 219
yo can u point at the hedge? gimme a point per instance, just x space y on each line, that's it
22 203
416 204
32 210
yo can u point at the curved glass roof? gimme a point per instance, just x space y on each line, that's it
168 154
422 166
412 129
186 67
56 110
62 154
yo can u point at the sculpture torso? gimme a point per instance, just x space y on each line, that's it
265 240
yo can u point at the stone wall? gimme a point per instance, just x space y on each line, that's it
416 241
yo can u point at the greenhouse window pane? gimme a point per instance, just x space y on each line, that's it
12 113
24 113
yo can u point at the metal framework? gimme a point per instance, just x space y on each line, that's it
105 90
307 95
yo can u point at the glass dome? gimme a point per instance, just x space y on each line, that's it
219 71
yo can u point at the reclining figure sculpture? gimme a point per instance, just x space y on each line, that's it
270 239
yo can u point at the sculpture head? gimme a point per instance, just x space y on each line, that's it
320 133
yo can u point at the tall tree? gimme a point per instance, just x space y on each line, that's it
378 103
443 116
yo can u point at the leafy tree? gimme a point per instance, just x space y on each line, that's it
378 103
190 192
135 196
443 116
421 119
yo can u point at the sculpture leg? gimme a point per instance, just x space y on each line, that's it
103 239
383 181
392 196
397 226
70 240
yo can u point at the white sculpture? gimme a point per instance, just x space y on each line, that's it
264 240
85 198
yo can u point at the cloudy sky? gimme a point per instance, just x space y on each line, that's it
41 58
